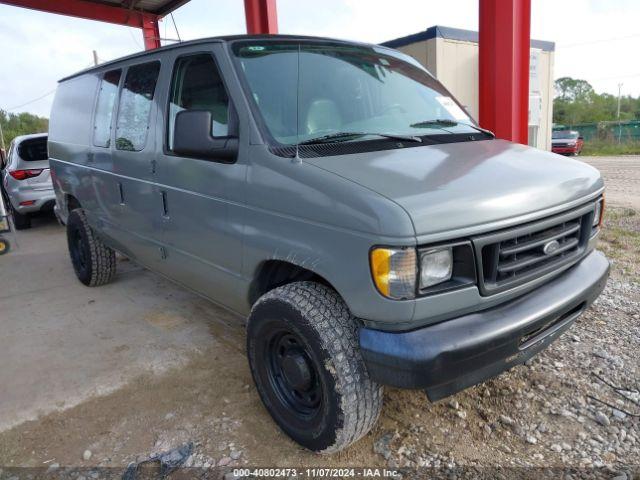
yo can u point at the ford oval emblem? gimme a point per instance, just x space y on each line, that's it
551 247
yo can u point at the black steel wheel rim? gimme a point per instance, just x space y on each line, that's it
79 253
292 373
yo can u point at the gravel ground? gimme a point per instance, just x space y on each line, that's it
622 177
574 407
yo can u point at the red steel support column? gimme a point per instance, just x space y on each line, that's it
262 17
505 30
151 32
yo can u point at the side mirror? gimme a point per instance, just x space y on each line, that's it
192 138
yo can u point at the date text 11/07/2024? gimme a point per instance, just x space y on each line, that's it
316 472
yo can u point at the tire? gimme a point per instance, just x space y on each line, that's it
93 262
21 221
302 344
5 246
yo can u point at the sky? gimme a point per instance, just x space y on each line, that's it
596 40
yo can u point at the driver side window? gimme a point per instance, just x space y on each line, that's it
197 85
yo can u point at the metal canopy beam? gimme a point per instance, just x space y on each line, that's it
148 22
262 16
505 27
87 10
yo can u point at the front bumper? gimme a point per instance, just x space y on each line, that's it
564 150
456 354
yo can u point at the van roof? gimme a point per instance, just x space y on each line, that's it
199 41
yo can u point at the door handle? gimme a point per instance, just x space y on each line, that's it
165 206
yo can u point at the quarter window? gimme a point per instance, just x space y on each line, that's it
197 85
135 106
104 108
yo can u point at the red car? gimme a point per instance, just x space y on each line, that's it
566 142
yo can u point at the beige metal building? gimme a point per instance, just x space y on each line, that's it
451 54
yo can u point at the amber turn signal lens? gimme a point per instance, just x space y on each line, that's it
394 272
598 214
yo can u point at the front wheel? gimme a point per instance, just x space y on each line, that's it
303 350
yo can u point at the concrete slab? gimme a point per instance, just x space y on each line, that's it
62 342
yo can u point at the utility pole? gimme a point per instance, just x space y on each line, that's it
618 115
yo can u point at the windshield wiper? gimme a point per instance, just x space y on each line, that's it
344 136
445 122
436 122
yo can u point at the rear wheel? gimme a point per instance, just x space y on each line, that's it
21 221
303 350
93 262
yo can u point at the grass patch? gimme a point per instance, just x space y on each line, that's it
620 236
600 147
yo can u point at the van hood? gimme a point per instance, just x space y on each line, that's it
456 186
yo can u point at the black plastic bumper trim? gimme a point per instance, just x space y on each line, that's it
456 354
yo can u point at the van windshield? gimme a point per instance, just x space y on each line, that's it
308 92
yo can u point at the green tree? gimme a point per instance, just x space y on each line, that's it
571 89
14 124
577 102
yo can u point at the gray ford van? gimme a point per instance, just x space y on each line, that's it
337 195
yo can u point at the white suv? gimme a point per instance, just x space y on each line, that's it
26 179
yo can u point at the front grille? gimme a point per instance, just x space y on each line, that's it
515 256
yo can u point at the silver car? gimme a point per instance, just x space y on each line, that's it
26 179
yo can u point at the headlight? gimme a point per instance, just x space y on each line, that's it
598 213
401 273
394 272
436 266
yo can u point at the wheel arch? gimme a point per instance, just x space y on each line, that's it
274 273
71 203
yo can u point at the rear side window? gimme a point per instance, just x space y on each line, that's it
33 150
104 108
135 106
197 85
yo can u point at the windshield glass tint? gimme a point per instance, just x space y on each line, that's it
307 90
